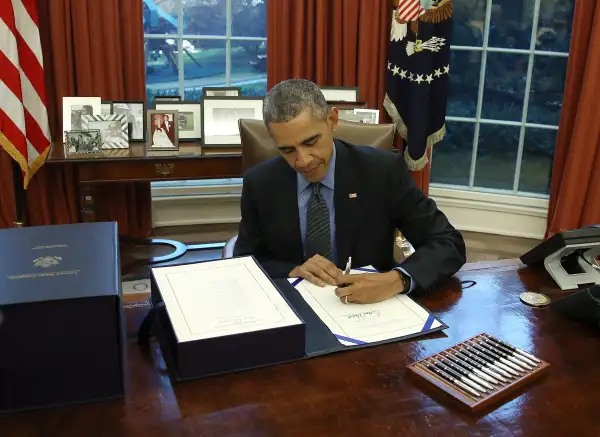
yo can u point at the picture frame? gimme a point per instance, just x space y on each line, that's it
189 114
114 132
159 136
226 91
220 117
162 99
83 142
74 108
135 113
106 107
340 94
369 116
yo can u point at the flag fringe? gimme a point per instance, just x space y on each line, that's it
434 138
28 170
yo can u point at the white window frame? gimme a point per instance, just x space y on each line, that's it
523 124
209 186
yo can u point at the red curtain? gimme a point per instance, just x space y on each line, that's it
90 48
575 188
333 43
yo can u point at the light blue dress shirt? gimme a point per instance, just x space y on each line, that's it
304 192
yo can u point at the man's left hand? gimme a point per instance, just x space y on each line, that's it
369 287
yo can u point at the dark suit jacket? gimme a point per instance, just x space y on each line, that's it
386 199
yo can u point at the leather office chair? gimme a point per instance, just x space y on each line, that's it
257 146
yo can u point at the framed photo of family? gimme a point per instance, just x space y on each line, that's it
220 117
83 142
74 108
162 130
189 121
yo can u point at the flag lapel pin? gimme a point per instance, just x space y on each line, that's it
352 195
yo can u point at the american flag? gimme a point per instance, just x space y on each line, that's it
24 129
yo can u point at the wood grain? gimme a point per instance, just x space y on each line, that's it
363 392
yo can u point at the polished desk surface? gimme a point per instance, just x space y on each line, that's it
137 151
363 392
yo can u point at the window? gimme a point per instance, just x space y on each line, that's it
508 65
192 44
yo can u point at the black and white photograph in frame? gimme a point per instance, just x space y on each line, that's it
231 91
83 142
369 116
220 117
135 114
113 129
162 130
74 108
189 115
340 94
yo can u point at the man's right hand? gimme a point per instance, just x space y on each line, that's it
317 270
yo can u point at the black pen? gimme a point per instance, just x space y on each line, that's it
498 367
509 352
514 349
477 374
482 386
450 379
498 357
500 352
486 367
457 375
494 377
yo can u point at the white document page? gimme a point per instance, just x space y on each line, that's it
218 298
354 324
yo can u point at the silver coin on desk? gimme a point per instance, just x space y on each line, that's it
535 299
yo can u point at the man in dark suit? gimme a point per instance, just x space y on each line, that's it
304 213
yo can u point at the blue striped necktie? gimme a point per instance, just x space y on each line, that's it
318 231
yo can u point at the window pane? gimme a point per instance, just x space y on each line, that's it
538 156
468 17
451 161
162 72
249 18
547 85
554 25
202 17
160 17
511 24
465 68
496 156
204 65
249 67
505 78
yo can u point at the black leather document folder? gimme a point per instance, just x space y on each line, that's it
189 358
61 322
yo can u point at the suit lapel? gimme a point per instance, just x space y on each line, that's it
289 209
347 200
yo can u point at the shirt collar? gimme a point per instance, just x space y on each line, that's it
328 180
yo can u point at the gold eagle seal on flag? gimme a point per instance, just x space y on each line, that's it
412 11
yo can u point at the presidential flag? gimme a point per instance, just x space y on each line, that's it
417 74
24 130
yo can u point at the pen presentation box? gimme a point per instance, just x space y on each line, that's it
222 316
61 316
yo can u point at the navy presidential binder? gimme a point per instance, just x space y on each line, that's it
61 328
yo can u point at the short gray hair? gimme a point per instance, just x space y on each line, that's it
288 99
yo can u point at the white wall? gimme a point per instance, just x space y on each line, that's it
467 210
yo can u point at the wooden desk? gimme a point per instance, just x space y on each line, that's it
136 164
363 392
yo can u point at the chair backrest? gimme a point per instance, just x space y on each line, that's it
257 145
